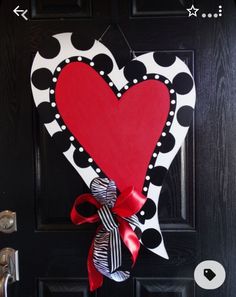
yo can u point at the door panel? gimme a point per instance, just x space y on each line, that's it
62 9
150 8
197 205
161 287
59 288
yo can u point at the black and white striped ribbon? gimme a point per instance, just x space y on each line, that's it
101 260
115 242
107 255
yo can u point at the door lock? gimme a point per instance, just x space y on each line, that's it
8 221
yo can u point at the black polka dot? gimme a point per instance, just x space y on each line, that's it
151 238
47 112
157 175
50 48
168 143
103 62
185 115
81 158
164 59
81 43
61 141
183 83
134 70
149 210
42 78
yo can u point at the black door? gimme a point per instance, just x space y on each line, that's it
196 210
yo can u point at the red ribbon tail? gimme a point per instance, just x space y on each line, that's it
129 238
95 277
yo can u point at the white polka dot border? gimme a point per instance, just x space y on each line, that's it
119 95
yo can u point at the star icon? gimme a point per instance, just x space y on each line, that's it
192 11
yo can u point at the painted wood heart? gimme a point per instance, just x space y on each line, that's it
126 124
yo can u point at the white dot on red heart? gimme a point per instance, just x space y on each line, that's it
150 166
54 79
90 160
51 91
92 64
57 116
79 58
81 149
63 127
147 177
72 138
101 72
135 81
67 61
58 69
53 104
98 170
111 84
145 189
142 213
119 95
157 76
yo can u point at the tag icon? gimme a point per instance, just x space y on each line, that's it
209 274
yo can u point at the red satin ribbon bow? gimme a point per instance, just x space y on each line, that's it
128 203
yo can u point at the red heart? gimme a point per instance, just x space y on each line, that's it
120 135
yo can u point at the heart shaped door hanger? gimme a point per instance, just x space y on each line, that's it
125 124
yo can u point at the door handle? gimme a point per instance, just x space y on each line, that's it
3 285
8 269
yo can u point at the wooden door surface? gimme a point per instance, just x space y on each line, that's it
197 203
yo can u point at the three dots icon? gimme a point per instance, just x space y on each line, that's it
214 15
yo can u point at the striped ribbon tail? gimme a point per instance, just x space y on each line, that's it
114 237
115 250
